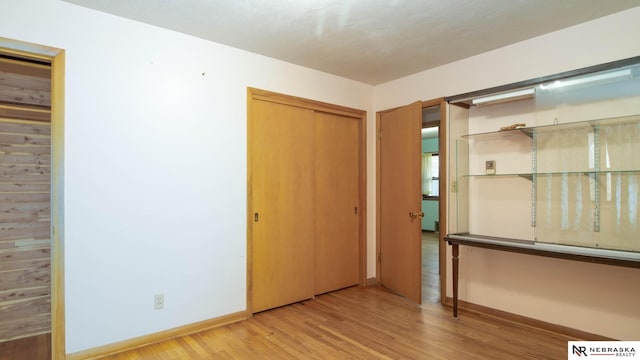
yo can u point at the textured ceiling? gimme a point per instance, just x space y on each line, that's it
372 41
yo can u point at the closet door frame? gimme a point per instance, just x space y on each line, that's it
254 94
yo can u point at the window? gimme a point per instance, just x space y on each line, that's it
430 174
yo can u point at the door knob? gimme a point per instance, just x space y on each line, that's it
414 214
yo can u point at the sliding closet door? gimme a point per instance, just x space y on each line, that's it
337 221
282 190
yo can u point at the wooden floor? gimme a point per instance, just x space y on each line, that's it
362 323
430 268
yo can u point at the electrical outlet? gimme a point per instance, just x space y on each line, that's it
490 167
158 302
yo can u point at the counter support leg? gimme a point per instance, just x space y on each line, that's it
455 249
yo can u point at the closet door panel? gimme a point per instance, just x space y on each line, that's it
282 191
336 226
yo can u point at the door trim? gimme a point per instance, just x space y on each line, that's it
57 59
442 200
254 94
442 203
58 335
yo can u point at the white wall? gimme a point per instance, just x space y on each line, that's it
155 188
594 298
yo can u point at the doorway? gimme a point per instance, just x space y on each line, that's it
400 192
430 180
31 121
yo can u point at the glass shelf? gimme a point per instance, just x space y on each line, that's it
585 124
582 189
530 131
529 176
524 175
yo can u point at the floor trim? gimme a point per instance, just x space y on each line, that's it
134 343
526 321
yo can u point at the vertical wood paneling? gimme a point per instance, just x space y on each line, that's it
25 243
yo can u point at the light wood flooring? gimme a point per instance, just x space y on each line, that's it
362 323
430 268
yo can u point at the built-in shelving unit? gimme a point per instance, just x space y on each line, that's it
573 168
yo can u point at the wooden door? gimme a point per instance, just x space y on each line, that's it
400 200
281 153
337 216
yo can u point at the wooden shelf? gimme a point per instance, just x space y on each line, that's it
25 112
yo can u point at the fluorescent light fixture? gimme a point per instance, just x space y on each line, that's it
587 79
512 95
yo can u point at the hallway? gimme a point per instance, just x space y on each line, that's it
430 268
